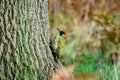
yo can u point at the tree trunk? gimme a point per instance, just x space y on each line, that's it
24 40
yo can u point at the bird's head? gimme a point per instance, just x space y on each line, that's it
61 32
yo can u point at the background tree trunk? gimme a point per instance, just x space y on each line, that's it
24 40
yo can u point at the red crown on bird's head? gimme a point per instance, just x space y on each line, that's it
61 32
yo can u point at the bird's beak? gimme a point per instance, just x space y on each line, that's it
58 29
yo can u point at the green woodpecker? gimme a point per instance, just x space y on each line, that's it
58 44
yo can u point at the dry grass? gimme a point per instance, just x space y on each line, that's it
63 73
88 76
66 73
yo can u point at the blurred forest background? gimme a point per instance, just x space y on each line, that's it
93 35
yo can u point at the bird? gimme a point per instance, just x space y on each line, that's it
58 43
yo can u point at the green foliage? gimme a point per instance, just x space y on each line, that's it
94 62
87 62
116 19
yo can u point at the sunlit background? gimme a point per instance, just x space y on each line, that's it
93 35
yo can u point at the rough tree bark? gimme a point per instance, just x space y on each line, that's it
24 40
